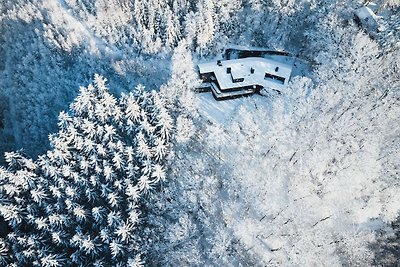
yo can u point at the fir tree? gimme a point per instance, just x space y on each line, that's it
77 204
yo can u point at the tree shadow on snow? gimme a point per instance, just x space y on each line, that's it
40 79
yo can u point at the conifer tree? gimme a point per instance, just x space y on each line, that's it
77 205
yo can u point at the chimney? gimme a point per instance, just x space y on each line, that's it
228 70
276 69
252 70
219 63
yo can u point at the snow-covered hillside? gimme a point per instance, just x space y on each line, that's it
308 177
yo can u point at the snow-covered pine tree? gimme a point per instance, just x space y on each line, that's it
77 205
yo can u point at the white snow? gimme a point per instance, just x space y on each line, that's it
221 112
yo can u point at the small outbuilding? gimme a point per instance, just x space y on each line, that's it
366 18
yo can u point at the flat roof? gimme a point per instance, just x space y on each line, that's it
365 13
242 68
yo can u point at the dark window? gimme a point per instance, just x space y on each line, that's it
278 79
238 80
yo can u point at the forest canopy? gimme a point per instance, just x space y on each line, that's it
138 169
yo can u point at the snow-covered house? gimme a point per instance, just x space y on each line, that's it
366 18
243 76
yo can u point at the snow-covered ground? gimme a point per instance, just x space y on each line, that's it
293 197
218 112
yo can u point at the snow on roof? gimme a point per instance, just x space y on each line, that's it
367 18
365 13
241 68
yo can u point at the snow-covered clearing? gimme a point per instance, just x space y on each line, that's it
218 112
